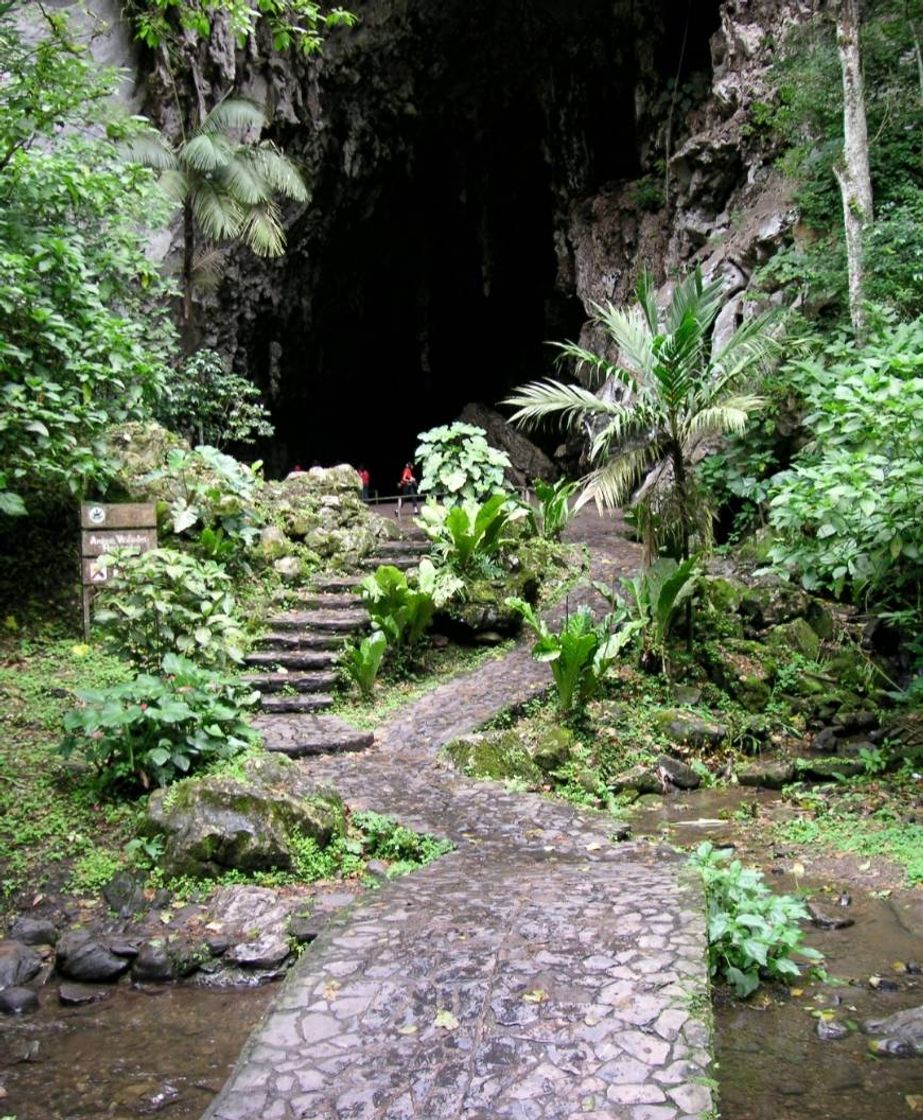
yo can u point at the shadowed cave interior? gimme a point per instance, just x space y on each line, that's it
433 278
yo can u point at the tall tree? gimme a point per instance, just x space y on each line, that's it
226 181
672 394
852 172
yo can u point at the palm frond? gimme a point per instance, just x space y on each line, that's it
243 182
175 185
626 427
150 149
233 114
206 152
599 367
729 416
752 344
218 214
262 230
630 331
208 266
611 485
278 172
694 297
647 302
541 400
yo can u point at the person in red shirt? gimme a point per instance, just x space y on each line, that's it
408 488
365 478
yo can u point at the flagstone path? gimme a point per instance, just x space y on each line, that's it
544 969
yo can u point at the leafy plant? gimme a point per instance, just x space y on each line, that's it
165 601
459 464
362 660
657 593
400 611
579 653
553 511
467 535
669 393
752 932
384 838
208 404
155 729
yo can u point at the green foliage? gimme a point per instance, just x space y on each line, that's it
657 593
670 393
467 536
384 838
207 404
82 346
553 511
401 612
362 660
579 653
155 729
164 601
91 872
848 512
752 932
459 464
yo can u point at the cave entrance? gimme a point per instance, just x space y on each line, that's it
436 280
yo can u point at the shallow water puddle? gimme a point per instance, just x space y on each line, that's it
137 1053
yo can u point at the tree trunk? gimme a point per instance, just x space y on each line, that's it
188 256
853 172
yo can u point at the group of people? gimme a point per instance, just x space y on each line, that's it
407 487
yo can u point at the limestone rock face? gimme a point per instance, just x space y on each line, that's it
215 823
528 461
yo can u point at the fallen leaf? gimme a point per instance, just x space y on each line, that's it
331 989
537 995
594 847
914 1102
446 1020
796 992
798 869
410 1028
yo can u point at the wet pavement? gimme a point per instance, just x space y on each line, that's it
544 969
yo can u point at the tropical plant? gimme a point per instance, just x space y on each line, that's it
667 393
83 344
848 511
752 932
459 464
579 653
164 601
360 661
553 511
657 593
207 404
225 182
467 536
155 729
401 612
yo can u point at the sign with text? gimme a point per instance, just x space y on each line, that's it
108 525
122 515
105 540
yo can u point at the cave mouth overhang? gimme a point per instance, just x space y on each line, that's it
433 267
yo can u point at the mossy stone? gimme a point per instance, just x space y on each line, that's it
795 636
679 725
498 755
744 669
554 749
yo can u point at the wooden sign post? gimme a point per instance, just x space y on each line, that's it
104 527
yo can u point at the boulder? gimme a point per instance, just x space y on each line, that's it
899 1035
769 774
77 995
273 543
82 957
33 931
682 726
795 636
216 823
124 893
289 568
829 769
500 755
18 963
153 963
554 749
772 602
18 1001
744 669
678 773
138 449
638 779
528 462
484 610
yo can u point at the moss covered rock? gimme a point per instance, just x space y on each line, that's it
744 669
796 636
554 749
245 822
680 725
500 755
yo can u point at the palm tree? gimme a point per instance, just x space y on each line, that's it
666 394
225 182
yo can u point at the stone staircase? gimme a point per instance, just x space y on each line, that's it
294 664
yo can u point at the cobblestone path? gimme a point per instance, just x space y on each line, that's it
543 969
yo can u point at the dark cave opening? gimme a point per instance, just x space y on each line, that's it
436 280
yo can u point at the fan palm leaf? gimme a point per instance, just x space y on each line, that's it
151 150
217 214
243 183
205 153
277 171
234 114
262 230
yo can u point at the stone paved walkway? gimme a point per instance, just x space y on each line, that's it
542 970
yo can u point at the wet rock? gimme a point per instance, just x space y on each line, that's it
305 927
33 931
554 749
900 1034
18 1001
267 951
124 894
825 741
498 755
883 984
211 824
771 774
18 963
81 957
678 773
682 726
641 779
825 919
830 1030
853 722
828 769
153 964
76 995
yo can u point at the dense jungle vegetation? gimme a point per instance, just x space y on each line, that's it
796 450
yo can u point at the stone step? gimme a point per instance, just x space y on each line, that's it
415 546
302 639
299 702
291 659
328 601
402 563
334 583
318 681
336 622
296 735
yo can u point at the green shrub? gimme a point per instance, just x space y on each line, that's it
401 612
165 601
657 593
467 536
553 512
384 838
360 661
155 729
459 464
752 932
